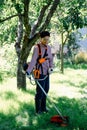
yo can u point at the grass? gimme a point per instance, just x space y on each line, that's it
17 110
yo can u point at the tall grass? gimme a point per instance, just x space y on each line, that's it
17 111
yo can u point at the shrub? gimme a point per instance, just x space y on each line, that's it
81 57
8 61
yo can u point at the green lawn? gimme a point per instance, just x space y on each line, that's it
67 92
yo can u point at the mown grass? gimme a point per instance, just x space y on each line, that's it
17 110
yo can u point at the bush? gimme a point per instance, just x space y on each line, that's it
81 57
8 61
1 77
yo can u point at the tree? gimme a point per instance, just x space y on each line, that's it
70 16
72 47
28 29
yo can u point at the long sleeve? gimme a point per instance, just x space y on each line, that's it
51 58
33 60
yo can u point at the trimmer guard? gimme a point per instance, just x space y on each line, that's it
59 120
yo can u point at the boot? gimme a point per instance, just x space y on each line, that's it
38 106
43 105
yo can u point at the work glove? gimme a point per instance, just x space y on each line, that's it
50 70
25 66
25 71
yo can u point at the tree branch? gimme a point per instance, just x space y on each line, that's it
33 39
26 18
40 18
19 37
27 47
50 14
2 20
67 36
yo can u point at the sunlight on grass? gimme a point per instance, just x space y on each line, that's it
70 84
11 97
75 77
22 118
66 91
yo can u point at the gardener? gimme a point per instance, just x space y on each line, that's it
42 61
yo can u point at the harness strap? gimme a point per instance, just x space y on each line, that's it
39 53
45 54
39 57
39 50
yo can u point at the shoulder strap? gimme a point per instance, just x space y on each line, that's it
45 54
39 52
39 57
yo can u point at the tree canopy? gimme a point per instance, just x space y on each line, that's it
21 22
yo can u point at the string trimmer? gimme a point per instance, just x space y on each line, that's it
59 119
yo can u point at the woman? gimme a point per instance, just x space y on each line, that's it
42 62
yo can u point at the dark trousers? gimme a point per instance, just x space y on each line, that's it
40 97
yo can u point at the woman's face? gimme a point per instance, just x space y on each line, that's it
45 40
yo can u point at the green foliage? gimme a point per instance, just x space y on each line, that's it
75 18
1 5
42 2
75 66
85 21
8 28
71 15
8 33
35 8
18 5
72 45
72 39
8 61
1 2
1 77
66 23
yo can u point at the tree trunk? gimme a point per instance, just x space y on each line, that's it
62 64
30 36
31 33
21 78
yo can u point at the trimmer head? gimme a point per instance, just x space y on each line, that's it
61 121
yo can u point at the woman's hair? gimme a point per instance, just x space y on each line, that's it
44 34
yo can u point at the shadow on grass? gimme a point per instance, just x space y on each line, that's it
11 95
76 66
1 77
8 95
25 118
70 83
30 91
